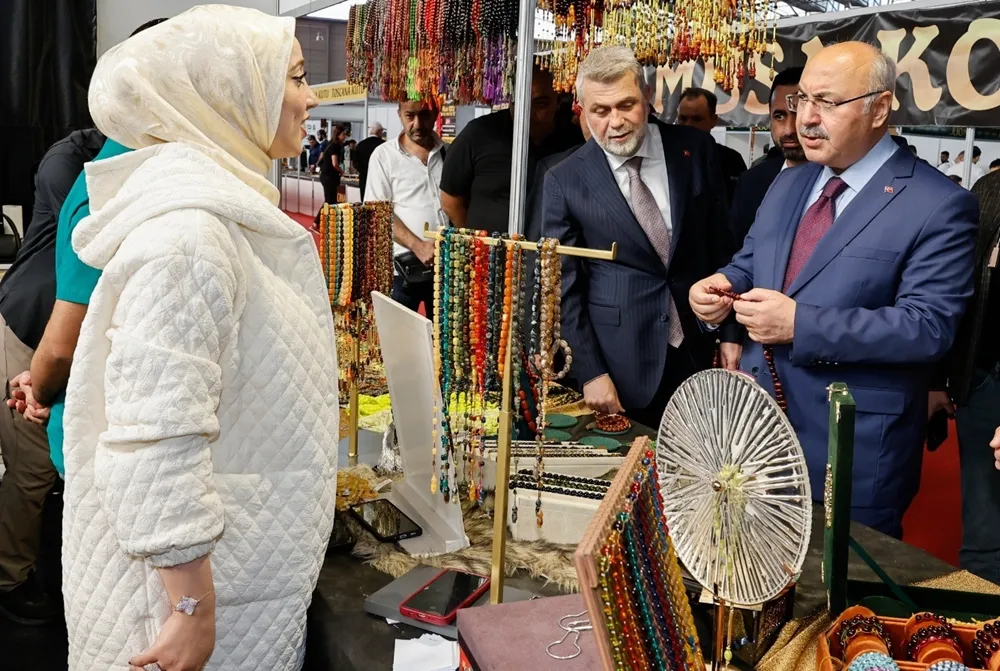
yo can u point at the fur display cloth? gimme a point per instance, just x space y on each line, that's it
550 562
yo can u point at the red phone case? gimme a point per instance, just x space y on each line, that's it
433 618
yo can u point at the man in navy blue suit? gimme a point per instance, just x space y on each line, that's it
657 191
857 269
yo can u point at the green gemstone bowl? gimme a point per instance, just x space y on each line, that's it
558 421
609 444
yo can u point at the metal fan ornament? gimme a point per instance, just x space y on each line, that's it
735 487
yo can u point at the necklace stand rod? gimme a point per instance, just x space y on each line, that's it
352 396
563 250
502 479
719 635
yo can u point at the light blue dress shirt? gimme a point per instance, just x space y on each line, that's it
856 177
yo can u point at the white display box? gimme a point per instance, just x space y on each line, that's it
565 518
581 466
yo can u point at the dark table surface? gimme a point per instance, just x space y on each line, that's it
343 637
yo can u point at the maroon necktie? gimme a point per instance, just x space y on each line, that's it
816 222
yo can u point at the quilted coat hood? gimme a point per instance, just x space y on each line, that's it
129 190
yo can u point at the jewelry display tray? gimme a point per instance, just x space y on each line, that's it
829 654
882 598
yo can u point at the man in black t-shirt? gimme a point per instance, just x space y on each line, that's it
362 154
27 294
475 183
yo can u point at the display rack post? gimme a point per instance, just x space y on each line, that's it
502 479
506 400
518 190
352 395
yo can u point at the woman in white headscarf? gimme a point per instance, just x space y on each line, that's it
201 414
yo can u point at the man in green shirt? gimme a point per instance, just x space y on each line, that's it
75 282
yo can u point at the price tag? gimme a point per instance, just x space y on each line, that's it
993 256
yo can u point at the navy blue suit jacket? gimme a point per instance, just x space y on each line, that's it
750 191
877 304
615 314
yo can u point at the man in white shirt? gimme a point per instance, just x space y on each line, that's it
945 164
958 169
407 172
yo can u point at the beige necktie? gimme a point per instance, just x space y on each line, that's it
648 214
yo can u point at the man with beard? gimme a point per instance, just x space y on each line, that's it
407 172
754 183
654 189
857 269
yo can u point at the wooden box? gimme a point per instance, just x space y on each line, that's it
829 654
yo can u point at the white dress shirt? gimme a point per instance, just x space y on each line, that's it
945 167
413 188
958 170
653 172
856 177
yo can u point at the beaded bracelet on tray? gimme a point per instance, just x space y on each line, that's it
986 644
931 637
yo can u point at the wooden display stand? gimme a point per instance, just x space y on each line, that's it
504 432
588 556
588 552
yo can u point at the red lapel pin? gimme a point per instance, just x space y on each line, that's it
687 154
888 189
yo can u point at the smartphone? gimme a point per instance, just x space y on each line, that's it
385 521
445 594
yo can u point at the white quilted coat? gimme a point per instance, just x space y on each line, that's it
201 413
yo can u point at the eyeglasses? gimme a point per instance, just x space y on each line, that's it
797 101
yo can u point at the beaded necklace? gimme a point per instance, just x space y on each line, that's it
446 348
479 318
779 391
436 434
516 333
347 257
339 237
645 606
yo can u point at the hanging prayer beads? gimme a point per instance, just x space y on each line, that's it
465 50
480 302
355 249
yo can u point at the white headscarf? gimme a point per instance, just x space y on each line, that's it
212 77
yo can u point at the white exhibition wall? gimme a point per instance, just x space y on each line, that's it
928 148
116 19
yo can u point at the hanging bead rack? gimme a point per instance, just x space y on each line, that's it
355 249
465 50
451 356
630 577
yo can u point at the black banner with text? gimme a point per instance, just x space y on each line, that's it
948 62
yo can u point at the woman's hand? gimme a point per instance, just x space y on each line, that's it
995 444
185 642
